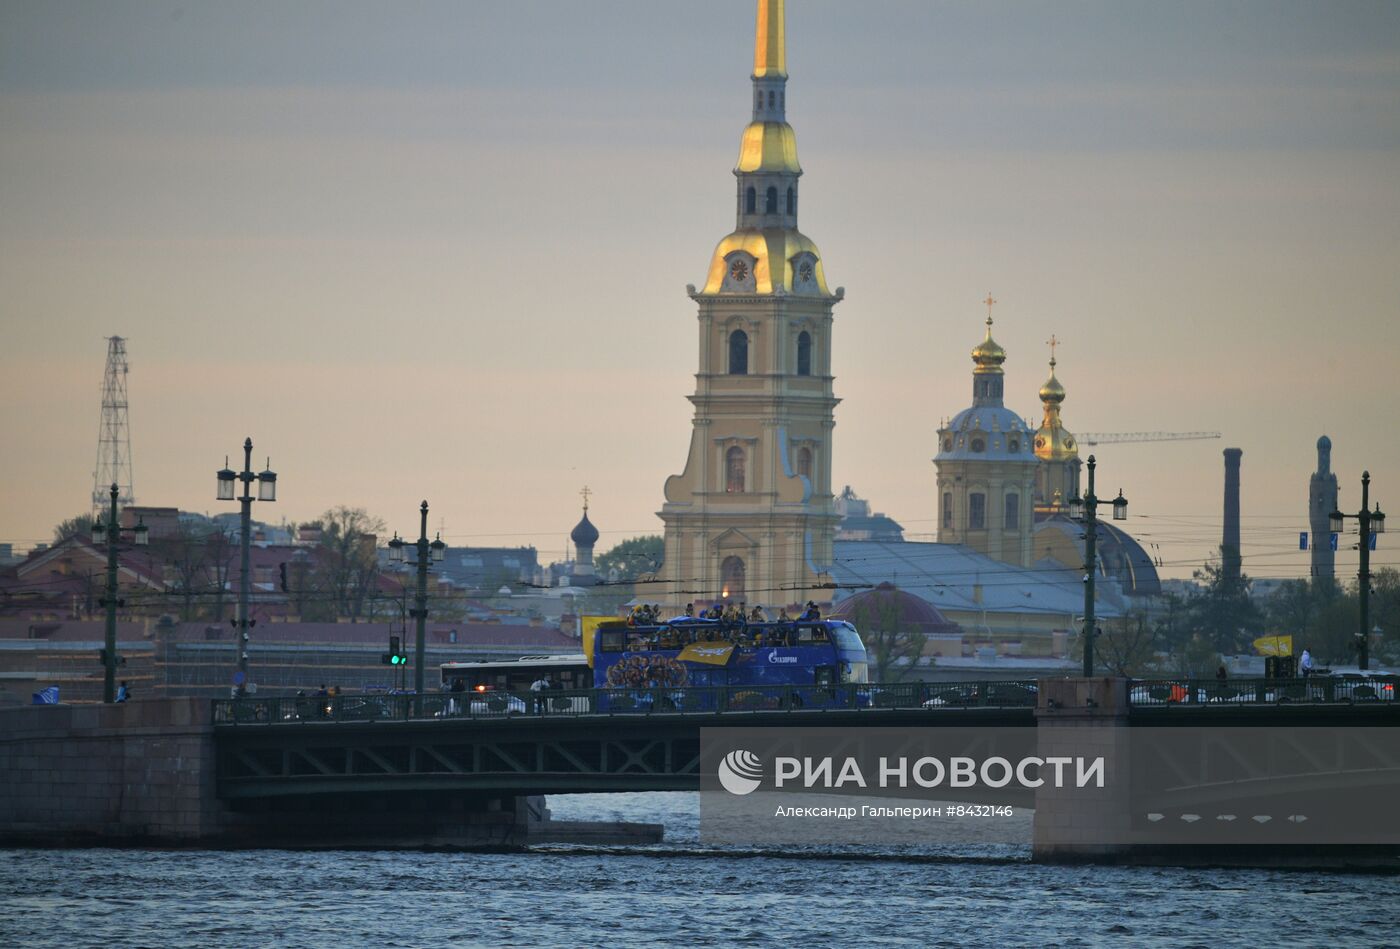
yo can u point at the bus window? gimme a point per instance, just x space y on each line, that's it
825 676
611 640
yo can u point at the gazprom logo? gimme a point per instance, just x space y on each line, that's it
740 772
775 658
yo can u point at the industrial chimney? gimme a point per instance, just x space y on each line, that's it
1230 539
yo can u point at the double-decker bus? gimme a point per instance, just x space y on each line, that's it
684 663
710 663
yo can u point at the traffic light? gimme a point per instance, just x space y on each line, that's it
395 656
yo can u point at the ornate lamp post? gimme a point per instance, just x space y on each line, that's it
1085 509
110 534
1369 523
434 551
267 491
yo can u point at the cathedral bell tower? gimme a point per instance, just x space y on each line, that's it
1057 478
752 517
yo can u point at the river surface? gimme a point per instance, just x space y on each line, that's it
677 893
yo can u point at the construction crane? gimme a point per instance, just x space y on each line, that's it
1112 438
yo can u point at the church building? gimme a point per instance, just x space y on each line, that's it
752 517
986 467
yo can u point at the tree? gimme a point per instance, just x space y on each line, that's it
349 566
632 558
78 524
892 647
1385 612
1222 613
1127 645
194 562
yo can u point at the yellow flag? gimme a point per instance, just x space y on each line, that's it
1274 645
588 626
710 654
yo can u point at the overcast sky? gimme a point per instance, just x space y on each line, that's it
439 250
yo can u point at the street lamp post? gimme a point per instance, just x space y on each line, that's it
267 491
1086 509
110 533
1368 523
435 552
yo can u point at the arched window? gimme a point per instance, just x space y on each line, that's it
792 201
804 353
1012 521
734 470
770 204
804 463
731 572
977 512
750 200
947 509
738 353
979 445
1013 445
758 100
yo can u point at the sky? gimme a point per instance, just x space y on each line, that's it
439 250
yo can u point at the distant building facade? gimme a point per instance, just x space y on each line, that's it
858 523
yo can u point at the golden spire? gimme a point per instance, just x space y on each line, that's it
770 41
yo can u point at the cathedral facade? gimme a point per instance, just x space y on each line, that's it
987 467
751 517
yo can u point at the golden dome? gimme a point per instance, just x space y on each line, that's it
1052 391
988 354
768 146
773 249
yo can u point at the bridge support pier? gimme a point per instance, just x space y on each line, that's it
1083 718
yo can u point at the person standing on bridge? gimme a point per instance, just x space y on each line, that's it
1305 663
537 690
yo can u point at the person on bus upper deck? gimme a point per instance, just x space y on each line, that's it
782 615
812 613
690 611
757 615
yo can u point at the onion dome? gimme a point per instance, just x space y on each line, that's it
1052 391
988 354
584 534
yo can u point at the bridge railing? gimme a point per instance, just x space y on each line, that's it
1316 689
631 700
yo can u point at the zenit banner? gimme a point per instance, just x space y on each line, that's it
1080 784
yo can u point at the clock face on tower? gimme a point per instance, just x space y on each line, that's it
739 271
804 273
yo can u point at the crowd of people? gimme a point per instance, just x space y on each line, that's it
733 623
731 614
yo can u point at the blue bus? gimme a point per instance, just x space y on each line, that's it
704 663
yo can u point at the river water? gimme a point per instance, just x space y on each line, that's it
677 893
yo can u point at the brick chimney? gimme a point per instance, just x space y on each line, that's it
1230 538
